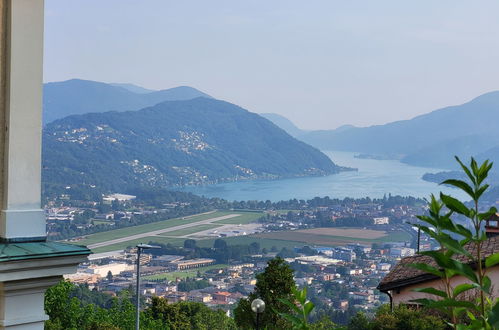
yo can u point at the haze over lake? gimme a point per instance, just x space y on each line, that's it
374 179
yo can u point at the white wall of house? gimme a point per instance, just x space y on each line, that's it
407 294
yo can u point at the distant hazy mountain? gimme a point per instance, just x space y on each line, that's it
343 128
283 123
173 143
428 140
133 88
75 96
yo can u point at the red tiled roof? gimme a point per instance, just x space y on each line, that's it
402 275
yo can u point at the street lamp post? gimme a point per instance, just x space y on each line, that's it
140 247
258 306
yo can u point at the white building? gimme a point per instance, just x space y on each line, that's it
103 270
119 197
400 252
317 260
383 267
381 221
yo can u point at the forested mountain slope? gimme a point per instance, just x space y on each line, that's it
173 143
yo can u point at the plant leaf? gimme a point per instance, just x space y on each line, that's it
453 245
464 269
308 307
440 258
461 185
292 318
492 260
432 291
463 288
481 190
493 318
466 170
291 305
487 214
486 284
454 204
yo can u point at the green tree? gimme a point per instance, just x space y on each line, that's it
190 244
220 244
69 313
323 324
274 284
188 315
109 276
406 318
254 247
63 311
359 322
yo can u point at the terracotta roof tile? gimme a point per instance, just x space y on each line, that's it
402 275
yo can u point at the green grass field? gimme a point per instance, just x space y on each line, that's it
191 230
244 218
169 237
184 273
267 240
331 240
159 239
288 239
244 240
140 229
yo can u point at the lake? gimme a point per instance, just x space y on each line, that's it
374 179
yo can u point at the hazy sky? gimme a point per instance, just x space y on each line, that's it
320 63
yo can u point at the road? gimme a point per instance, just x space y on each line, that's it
161 231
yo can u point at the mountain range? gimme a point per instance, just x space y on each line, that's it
429 140
76 96
201 140
284 123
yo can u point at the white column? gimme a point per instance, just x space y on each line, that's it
28 264
21 218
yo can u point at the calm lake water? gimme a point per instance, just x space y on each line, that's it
374 179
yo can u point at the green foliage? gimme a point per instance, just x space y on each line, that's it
273 285
67 312
323 324
406 318
188 315
300 307
454 258
191 284
359 322
402 317
190 244
219 244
